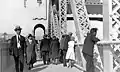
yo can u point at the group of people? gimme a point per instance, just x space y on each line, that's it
65 49
51 49
23 50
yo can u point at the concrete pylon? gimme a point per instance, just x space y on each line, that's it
107 20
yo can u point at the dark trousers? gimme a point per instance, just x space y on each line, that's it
90 63
64 57
61 56
18 64
45 55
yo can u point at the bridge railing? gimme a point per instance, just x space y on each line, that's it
106 56
5 59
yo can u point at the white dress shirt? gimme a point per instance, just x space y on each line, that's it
18 41
30 41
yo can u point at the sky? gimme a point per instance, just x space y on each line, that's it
12 13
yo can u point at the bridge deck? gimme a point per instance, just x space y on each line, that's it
39 67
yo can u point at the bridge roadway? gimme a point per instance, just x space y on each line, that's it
39 67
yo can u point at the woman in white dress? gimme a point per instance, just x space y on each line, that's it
70 55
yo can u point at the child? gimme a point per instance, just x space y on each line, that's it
70 52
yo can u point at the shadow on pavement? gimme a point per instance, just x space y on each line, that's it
77 67
39 69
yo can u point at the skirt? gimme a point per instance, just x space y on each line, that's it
70 54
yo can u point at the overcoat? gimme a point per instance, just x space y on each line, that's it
15 51
54 46
62 43
66 40
31 54
89 42
45 45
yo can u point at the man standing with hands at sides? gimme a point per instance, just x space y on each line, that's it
18 49
88 49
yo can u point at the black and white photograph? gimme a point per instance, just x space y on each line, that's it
60 36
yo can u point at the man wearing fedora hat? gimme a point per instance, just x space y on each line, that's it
18 49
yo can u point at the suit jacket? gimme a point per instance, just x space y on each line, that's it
13 46
66 40
45 45
62 43
54 45
89 42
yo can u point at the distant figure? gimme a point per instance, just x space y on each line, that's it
70 52
65 47
49 39
54 9
45 48
88 48
31 54
54 49
61 48
18 49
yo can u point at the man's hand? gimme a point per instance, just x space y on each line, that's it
25 55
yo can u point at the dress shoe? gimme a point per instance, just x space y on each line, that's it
29 68
65 65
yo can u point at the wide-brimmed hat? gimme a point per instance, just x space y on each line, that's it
30 35
17 28
70 33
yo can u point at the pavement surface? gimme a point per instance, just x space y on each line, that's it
39 67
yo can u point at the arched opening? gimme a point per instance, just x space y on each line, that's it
39 26
39 32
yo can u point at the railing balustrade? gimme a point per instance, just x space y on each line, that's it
106 53
5 59
102 57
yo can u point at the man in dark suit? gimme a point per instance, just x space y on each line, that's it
88 49
18 49
50 39
61 48
45 48
65 47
